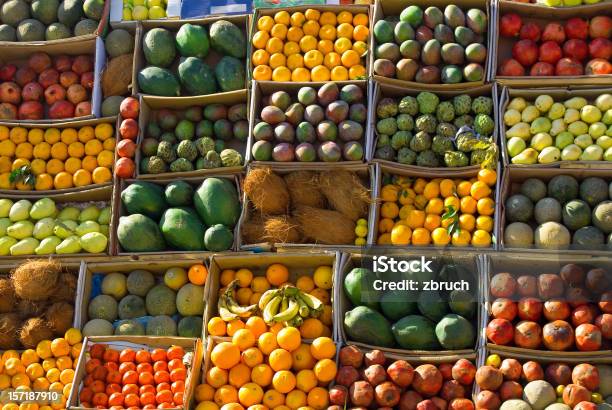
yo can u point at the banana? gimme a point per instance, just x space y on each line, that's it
271 309
289 313
312 302
296 321
284 304
267 297
242 311
224 311
304 309
290 290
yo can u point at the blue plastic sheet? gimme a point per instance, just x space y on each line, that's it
202 8
96 285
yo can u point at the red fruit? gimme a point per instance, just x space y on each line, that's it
63 63
586 405
129 107
504 308
588 337
32 92
461 404
530 31
576 49
598 281
558 335
61 109
583 314
67 78
586 375
346 375
600 48
553 32
338 395
409 400
600 26
558 374
427 405
452 389
572 274
532 371
54 93
76 93
488 400
82 109
511 68
556 309
511 369
124 168
510 390
447 370
464 371
423 34
550 286
500 331
374 357
128 129
604 323
530 309
387 394
10 93
31 110
82 64
502 285
440 403
87 80
25 75
525 52
8 111
510 25
527 334
568 66
127 148
577 28
48 77
598 66
375 374
540 69
401 373
550 52
351 356
574 394
527 285
7 72
39 62
427 380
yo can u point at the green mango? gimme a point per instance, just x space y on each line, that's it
42 208
71 244
105 215
20 230
24 247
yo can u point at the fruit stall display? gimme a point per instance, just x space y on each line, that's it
558 209
38 299
411 321
302 44
309 124
44 227
128 132
177 58
556 307
515 383
456 209
423 129
370 379
49 20
561 3
164 298
556 126
322 206
557 43
49 367
425 43
137 372
204 135
51 158
186 215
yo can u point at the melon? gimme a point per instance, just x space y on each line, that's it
547 210
190 300
130 327
576 214
563 188
519 208
602 216
161 300
588 237
139 282
605 379
539 394
114 284
558 406
131 306
518 235
515 404
551 235
161 325
103 307
190 326
593 190
534 189
98 327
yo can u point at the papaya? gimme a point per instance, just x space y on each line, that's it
394 305
415 332
366 325
182 229
139 233
158 81
359 288
230 74
196 77
216 201
431 305
227 39
144 198
454 332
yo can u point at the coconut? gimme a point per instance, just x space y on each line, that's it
27 308
281 229
36 279
59 317
267 191
325 226
304 189
33 331
9 326
345 193
66 288
7 295
252 230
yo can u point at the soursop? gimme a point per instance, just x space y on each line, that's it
426 123
156 165
166 151
428 159
456 159
482 105
445 111
408 105
483 124
462 104
230 158
428 102
187 149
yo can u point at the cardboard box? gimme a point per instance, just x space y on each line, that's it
366 173
271 11
150 104
382 90
471 261
190 345
120 211
531 13
511 181
521 263
299 264
173 26
263 89
559 94
88 270
18 54
394 169
388 8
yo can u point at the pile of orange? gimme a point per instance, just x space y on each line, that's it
310 46
440 211
58 158
262 371
319 285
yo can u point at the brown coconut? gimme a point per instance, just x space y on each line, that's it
66 288
27 308
7 295
59 317
9 326
304 189
345 193
325 226
36 279
33 331
267 191
252 231
281 229
117 76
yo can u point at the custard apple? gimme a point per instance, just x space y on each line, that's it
181 165
408 105
426 123
483 124
386 126
165 150
387 107
456 159
441 144
445 111
204 145
406 156
478 156
463 120
446 129
156 165
462 104
482 105
211 160
405 122
230 158
427 158
400 139
420 142
428 102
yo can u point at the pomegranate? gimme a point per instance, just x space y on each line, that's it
527 335
504 308
588 337
530 31
550 52
511 369
600 48
568 66
553 32
532 371
500 331
598 66
530 309
540 69
525 52
558 335
577 28
510 25
511 68
586 375
600 26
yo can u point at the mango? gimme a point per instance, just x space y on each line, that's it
541 140
43 228
47 246
20 230
5 245
564 139
5 207
571 153
87 227
517 103
548 155
515 146
540 124
558 126
583 140
578 128
91 213
557 110
590 114
105 215
512 117
544 102
528 157
64 229
71 244
597 129
20 210
520 130
94 242
69 213
530 113
571 115
592 153
576 103
4 223
42 208
24 247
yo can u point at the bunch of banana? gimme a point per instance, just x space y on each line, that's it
288 305
229 309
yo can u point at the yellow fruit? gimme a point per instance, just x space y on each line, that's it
101 175
277 60
24 150
339 73
294 34
60 347
320 73
260 39
281 74
260 57
345 30
18 135
481 238
42 150
89 163
283 381
104 131
282 17
295 399
328 17
73 336
59 150
360 33
297 19
5 164
13 366
484 223
34 371
327 32
86 133
52 135
300 75
69 135
274 45
109 144
93 147
41 383
325 370
63 180
5 381
360 48
76 149
440 237
400 235
332 60
312 14
295 61
81 178
20 379
265 23
279 31
7 148
341 45
461 238
308 43
311 28
105 158
291 47
4 132
38 166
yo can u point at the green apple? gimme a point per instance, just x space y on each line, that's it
530 113
564 139
583 140
592 153
571 153
544 102
512 117
578 128
540 141
590 114
515 146
604 141
597 129
557 110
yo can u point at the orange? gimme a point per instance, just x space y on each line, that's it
59 150
481 238
332 60
447 188
72 165
360 19
360 47
326 316
361 33
104 131
273 399
20 162
327 32
295 399
39 166
302 358
197 274
89 163
295 61
400 235
7 148
18 135
312 14
432 221
486 206
52 135
461 238
216 326
244 277
5 164
464 188
311 328
227 276
435 206
323 348
325 46
325 370
313 58
328 17
76 149
350 58
277 274
280 359
262 374
204 392
260 57
226 394
86 133
431 190
345 30
282 17
274 45
283 381
254 299
225 355
318 398
279 31
389 210
239 375
256 325
291 47
342 44
452 201
243 338
243 296
416 219
467 222
93 147
421 237
311 28
297 19
389 193
4 132
308 43
265 23
24 150
485 223
385 225
250 394
322 295
81 178
488 176
262 73
281 74
260 39
440 236
345 17
480 190
267 342
217 377
305 283
320 73
43 182
62 180
69 135
468 205
289 338
339 73
300 75
306 380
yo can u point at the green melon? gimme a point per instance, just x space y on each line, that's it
519 208
602 216
588 237
161 300
190 326
576 214
563 188
593 190
139 282
534 189
161 325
